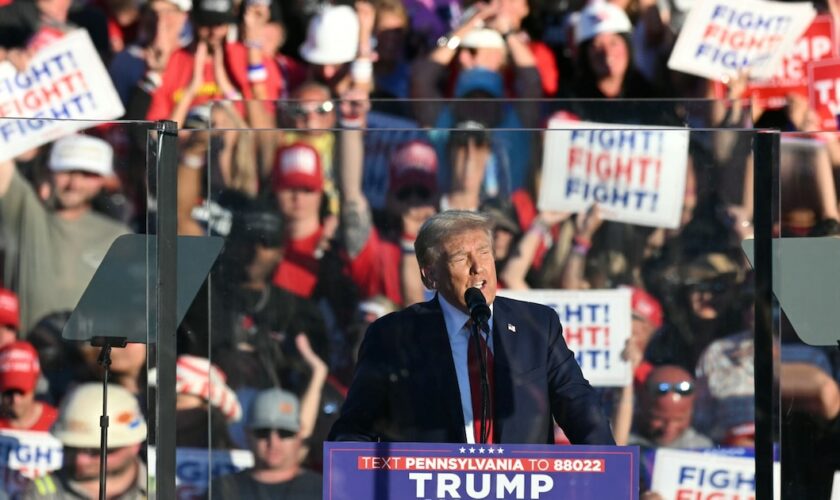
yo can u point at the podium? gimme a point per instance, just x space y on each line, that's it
391 471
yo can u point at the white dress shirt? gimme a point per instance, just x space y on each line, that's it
459 337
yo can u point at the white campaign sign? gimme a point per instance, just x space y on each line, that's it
32 454
635 174
679 474
722 38
63 85
596 325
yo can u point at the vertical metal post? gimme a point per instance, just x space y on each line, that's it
166 226
765 168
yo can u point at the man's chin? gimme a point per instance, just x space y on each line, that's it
86 475
70 203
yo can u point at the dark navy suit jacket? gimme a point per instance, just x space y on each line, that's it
405 387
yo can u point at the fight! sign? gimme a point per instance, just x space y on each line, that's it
689 475
25 455
596 325
818 43
31 453
635 174
425 470
65 82
824 92
722 38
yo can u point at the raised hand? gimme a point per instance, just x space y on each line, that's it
309 356
254 20
589 223
200 59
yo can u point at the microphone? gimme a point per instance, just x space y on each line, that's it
480 315
477 306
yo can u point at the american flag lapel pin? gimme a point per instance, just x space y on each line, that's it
511 328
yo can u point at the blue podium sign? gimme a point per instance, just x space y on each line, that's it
384 471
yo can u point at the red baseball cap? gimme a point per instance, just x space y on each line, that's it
298 166
414 163
19 367
646 306
9 309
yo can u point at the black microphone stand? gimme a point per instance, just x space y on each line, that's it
106 343
485 383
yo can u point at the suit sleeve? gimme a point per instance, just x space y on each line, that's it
574 403
365 407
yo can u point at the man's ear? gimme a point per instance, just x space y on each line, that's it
427 275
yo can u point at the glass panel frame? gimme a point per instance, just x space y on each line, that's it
743 134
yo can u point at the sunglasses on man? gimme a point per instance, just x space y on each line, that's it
266 433
301 110
683 388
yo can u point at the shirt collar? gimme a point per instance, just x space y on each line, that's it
455 318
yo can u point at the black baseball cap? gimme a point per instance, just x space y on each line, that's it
213 12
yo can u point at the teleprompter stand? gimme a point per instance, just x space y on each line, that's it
120 305
106 343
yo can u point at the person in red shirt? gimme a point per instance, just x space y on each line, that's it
298 181
211 68
19 372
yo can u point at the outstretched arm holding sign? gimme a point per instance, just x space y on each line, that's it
520 262
587 226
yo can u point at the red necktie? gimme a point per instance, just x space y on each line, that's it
474 366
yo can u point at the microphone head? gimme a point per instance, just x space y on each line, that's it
473 297
477 305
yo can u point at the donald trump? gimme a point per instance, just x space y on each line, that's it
421 370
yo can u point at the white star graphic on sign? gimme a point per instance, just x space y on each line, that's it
472 450
481 450
500 449
462 449
491 450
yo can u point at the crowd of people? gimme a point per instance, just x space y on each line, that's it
316 138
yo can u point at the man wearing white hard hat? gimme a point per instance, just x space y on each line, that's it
78 430
55 239
338 47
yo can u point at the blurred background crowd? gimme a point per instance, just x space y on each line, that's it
315 139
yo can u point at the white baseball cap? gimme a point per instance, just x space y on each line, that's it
183 5
483 38
601 17
82 152
332 36
78 417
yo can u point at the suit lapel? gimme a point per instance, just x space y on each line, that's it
506 362
502 402
433 334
